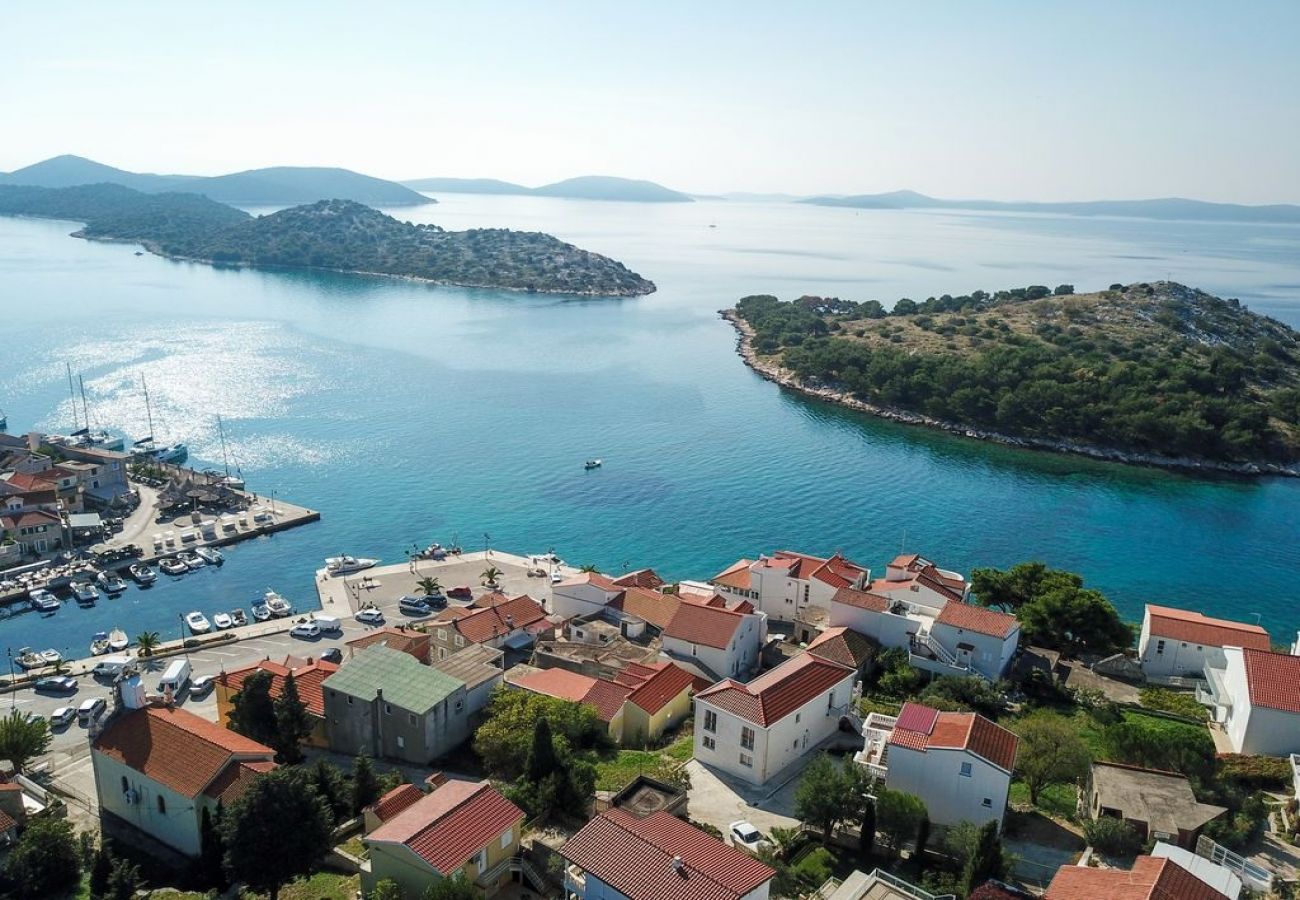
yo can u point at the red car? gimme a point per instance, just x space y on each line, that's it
461 593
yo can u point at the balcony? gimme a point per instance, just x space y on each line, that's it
875 744
575 881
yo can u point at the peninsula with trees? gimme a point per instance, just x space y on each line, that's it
337 235
1149 373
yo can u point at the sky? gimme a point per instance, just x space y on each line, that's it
998 100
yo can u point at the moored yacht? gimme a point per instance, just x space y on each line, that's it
111 582
173 566
99 643
143 574
197 622
278 606
343 565
117 640
210 555
85 593
222 621
42 600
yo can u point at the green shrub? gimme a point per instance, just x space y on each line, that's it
1173 702
1112 836
1256 773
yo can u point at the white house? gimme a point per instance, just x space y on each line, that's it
1181 643
959 764
583 594
755 730
159 768
786 583
725 642
965 639
1256 697
919 581
619 856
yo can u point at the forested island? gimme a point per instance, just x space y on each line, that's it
340 235
1154 373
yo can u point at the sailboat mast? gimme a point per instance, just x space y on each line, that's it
147 410
225 461
72 394
85 407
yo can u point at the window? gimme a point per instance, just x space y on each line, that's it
388 709
442 653
125 787
460 641
162 804
710 720
797 716
410 718
965 770
460 705
795 745
710 743
442 634
747 761
401 742
507 838
988 803
480 861
747 738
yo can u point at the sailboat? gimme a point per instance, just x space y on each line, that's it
174 453
4 421
82 434
235 481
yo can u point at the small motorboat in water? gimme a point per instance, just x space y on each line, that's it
210 555
238 618
99 643
117 640
261 612
221 621
111 582
191 559
51 657
278 606
173 566
85 593
593 464
42 600
29 658
197 622
143 574
344 565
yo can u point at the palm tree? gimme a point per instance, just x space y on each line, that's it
490 575
148 642
22 738
430 586
588 568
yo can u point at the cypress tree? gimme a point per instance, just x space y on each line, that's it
253 714
985 860
100 868
293 723
365 786
542 759
867 826
922 838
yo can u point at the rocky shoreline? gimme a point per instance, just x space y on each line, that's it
787 379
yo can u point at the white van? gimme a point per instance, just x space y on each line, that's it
110 666
328 623
176 677
90 708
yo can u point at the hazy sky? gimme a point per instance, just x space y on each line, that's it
1007 100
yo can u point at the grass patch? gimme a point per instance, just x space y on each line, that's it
354 846
1056 800
682 749
614 773
317 886
1181 704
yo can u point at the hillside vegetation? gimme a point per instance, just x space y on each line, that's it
330 234
1156 369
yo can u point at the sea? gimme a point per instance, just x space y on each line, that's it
408 413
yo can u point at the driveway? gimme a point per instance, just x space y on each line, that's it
720 801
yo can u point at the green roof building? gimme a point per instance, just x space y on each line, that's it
387 704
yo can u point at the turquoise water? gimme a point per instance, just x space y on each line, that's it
408 413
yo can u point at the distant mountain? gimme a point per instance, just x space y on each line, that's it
586 187
467 186
279 186
339 235
1170 208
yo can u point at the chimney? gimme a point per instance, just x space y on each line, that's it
34 441
678 866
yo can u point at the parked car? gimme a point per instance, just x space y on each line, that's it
370 615
461 593
90 709
56 684
745 836
333 654
434 601
201 685
413 606
308 630
63 716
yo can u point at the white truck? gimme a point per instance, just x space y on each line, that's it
176 677
328 624
111 666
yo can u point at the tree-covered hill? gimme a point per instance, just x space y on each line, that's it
330 234
1159 370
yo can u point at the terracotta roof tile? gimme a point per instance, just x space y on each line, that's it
607 697
595 579
395 801
978 619
1194 628
736 576
655 608
636 858
448 826
1150 878
861 599
237 777
776 694
920 728
1273 680
407 640
308 679
175 748
7 822
559 683
843 645
495 621
707 625
664 682
646 578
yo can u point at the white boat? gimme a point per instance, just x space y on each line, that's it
222 621
99 643
593 464
29 658
51 657
342 565
198 622
173 566
117 640
85 592
238 618
42 600
143 574
191 559
278 606
210 555
111 582
260 612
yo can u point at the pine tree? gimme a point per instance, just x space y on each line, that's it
123 881
209 868
293 724
101 867
253 714
867 828
922 838
985 860
542 759
365 786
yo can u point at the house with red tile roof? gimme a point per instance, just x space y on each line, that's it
308 677
36 530
725 642
785 584
845 646
512 624
965 639
389 805
960 764
583 594
1151 878
397 637
1255 695
1182 643
460 827
159 768
918 581
757 730
617 856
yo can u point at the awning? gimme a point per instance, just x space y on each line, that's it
519 641
84 520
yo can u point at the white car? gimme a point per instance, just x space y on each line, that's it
556 578
63 716
305 630
371 615
746 836
201 685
